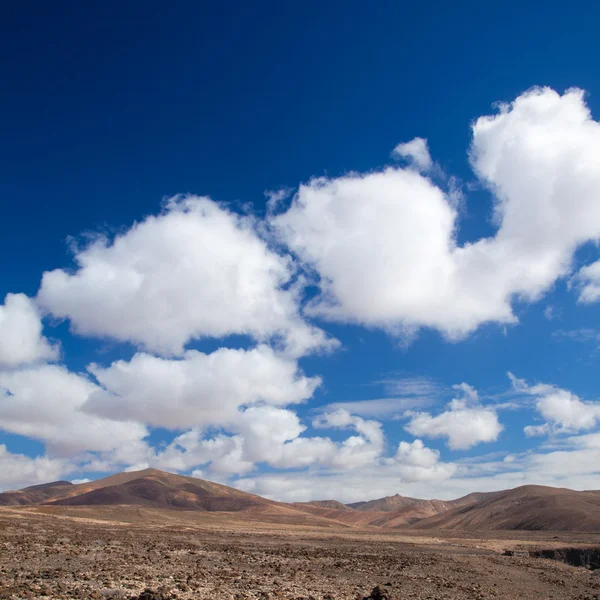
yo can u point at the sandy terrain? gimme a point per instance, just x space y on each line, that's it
117 552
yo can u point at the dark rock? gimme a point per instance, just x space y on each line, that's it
577 557
378 594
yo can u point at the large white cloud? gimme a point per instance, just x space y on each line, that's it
384 247
384 243
199 389
196 270
44 403
21 339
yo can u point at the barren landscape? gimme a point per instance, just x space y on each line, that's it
89 543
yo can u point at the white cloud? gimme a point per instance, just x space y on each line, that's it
357 450
416 454
562 411
535 430
383 247
223 453
21 339
18 471
576 467
588 278
583 335
202 389
44 403
384 243
465 424
470 396
379 407
196 270
414 469
353 471
406 393
272 435
416 151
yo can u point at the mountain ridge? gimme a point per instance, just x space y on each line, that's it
525 508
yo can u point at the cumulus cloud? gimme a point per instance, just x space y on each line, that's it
202 389
195 270
577 466
384 243
44 403
382 248
414 466
357 450
466 423
21 339
19 470
273 436
417 151
562 411
416 454
354 467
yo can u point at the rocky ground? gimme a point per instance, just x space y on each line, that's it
49 557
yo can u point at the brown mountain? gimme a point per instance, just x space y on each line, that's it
168 493
530 507
527 507
35 494
387 504
149 487
398 511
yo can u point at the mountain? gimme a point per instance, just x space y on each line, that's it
149 487
172 497
165 492
398 511
168 493
530 507
387 504
35 494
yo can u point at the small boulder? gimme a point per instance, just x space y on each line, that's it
378 594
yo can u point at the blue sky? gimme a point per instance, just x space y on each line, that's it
299 249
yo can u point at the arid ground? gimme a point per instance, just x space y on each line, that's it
62 552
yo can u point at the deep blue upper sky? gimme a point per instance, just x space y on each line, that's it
108 108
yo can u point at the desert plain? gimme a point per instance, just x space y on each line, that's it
152 535
137 552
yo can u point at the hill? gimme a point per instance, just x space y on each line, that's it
165 492
530 507
398 511
35 494
524 508
387 504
